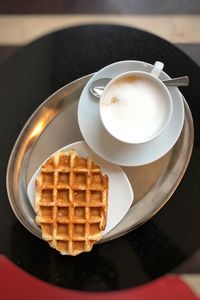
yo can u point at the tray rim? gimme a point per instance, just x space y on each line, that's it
26 129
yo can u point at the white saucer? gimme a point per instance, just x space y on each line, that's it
113 150
120 196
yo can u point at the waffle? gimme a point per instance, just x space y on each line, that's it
71 202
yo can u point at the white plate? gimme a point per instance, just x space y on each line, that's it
113 150
120 195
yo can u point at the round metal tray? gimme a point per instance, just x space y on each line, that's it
54 125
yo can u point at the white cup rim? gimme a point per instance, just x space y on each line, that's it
161 84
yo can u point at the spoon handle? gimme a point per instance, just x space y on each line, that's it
98 85
180 81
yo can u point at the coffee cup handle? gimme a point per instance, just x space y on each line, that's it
157 68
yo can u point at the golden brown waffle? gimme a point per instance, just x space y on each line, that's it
71 202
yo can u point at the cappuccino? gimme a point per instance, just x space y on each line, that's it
135 108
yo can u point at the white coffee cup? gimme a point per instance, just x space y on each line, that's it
136 106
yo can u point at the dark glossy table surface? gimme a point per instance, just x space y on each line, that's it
160 245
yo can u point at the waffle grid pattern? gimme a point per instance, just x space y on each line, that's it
71 202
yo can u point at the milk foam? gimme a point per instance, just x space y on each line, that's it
133 109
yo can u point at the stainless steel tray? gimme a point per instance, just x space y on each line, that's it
54 125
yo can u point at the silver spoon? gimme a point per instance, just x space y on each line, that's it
97 87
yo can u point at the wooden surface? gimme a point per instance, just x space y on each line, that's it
22 29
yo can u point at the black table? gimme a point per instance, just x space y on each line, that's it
160 245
